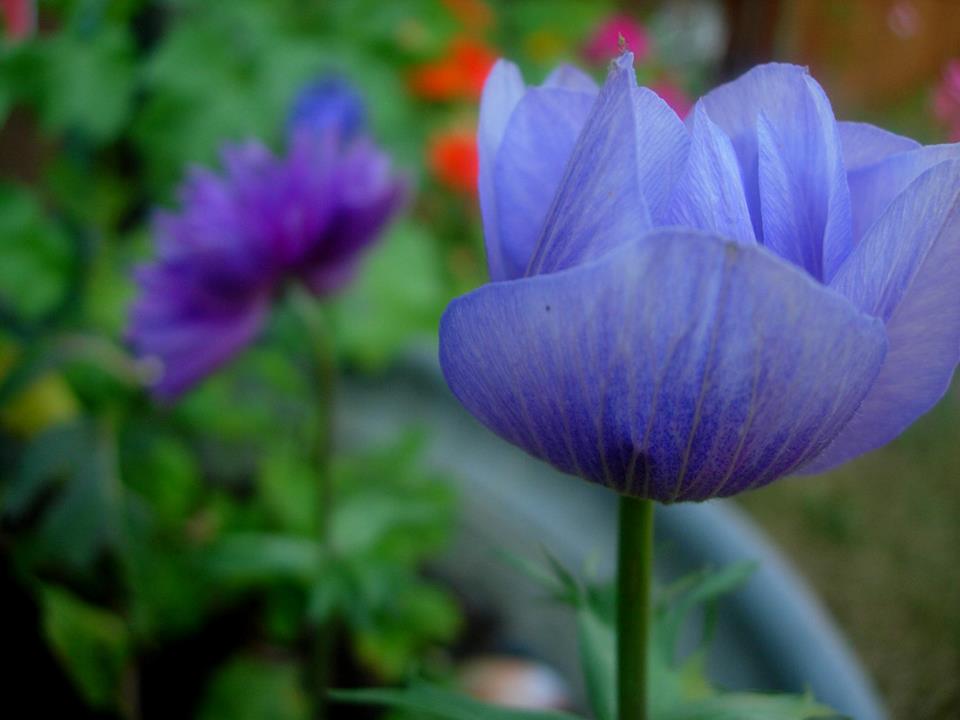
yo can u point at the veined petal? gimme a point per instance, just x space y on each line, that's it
905 272
874 187
619 177
570 77
677 367
864 144
533 154
773 88
709 193
804 198
503 90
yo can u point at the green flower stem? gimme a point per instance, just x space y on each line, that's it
634 615
324 377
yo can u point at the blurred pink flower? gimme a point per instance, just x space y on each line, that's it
604 44
946 100
673 95
19 18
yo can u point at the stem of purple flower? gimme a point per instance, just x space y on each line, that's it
634 614
324 374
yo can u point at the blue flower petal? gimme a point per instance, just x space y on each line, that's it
865 144
570 77
905 272
618 180
709 193
530 162
502 91
735 106
874 187
678 367
791 162
804 198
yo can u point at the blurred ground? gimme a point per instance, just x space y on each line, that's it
878 539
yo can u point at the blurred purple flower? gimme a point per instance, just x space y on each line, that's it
682 311
604 44
329 103
238 237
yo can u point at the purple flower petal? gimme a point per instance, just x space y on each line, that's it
865 144
502 91
709 193
530 162
676 367
570 77
619 177
804 198
874 187
905 272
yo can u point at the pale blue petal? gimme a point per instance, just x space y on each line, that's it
874 187
536 145
864 144
570 77
502 91
619 177
709 193
906 272
679 366
774 89
804 198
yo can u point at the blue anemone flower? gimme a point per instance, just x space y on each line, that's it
687 310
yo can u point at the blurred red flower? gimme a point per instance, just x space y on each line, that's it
604 44
946 100
19 18
458 75
453 160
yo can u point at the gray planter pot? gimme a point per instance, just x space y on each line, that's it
772 635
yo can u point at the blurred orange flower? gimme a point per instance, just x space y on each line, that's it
453 160
457 75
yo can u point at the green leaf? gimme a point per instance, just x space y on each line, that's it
598 656
87 509
37 255
437 702
88 82
399 294
93 645
249 688
256 558
703 589
419 616
747 706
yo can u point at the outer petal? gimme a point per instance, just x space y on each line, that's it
533 154
905 272
709 194
874 187
618 181
677 367
864 144
501 93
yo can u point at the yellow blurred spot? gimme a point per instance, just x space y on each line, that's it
544 46
45 402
